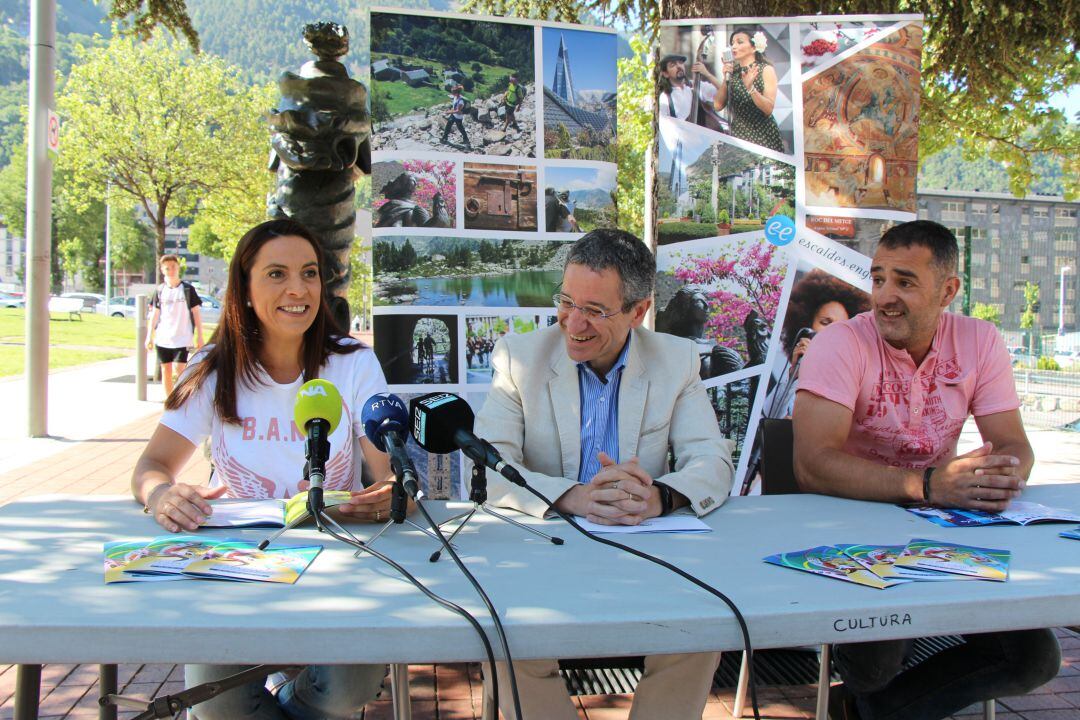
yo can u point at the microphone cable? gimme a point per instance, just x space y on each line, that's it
346 537
499 632
747 649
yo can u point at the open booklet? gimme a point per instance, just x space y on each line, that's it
186 557
268 512
1019 513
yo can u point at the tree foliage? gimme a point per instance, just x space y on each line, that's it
990 313
141 17
78 228
173 132
635 131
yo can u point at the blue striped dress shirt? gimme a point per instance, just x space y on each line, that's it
599 414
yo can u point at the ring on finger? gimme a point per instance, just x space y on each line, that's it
615 485
378 515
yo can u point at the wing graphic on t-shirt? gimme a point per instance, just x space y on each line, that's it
339 471
242 482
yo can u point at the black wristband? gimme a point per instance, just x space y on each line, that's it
926 484
667 500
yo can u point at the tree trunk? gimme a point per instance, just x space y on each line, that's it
159 232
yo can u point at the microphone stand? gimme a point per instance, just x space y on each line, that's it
478 496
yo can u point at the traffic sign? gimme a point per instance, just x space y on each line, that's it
53 136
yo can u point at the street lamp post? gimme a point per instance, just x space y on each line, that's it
1061 301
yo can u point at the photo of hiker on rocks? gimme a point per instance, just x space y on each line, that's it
452 85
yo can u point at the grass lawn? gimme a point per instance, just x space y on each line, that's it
92 331
11 358
402 99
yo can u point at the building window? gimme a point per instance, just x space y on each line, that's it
1041 211
978 283
1041 261
952 211
978 209
1025 215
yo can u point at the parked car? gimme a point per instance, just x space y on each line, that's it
7 300
210 308
1068 359
122 307
92 302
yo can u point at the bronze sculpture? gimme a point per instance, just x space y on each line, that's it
321 143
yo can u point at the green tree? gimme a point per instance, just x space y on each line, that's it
78 228
1029 319
173 132
986 312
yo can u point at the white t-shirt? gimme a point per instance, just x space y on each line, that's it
684 99
263 456
174 328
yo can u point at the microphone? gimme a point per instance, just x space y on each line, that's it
317 413
805 332
386 422
443 422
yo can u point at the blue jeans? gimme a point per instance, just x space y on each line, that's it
986 666
319 692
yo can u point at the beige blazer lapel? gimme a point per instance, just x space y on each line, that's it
633 390
566 402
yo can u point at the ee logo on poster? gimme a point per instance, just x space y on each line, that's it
780 230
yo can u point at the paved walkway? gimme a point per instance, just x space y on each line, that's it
99 429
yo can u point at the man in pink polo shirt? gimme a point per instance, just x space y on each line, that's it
881 402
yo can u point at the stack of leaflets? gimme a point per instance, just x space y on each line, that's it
186 557
1073 534
1019 513
884 566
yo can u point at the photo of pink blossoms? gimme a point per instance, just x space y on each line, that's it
724 296
414 193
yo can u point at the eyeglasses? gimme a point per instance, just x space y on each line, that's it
566 305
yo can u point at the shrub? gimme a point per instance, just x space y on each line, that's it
1047 363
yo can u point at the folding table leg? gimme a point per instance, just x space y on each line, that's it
739 710
399 688
107 681
27 692
823 684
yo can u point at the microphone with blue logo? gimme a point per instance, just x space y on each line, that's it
386 423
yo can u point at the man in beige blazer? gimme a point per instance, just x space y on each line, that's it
587 411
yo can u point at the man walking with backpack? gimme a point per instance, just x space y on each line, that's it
176 322
456 116
511 102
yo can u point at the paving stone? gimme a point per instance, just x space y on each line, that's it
1044 701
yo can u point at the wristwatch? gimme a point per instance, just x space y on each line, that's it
667 498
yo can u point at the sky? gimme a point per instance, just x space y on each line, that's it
583 178
592 58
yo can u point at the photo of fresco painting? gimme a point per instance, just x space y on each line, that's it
861 126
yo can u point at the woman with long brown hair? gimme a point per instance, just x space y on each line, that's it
275 333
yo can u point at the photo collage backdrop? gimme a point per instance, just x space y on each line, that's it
786 146
493 149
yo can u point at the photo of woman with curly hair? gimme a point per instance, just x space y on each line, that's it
749 90
817 300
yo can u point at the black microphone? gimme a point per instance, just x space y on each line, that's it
805 332
386 421
443 422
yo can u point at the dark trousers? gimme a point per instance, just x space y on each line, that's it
510 118
986 666
451 122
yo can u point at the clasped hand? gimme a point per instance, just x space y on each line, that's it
620 494
978 480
